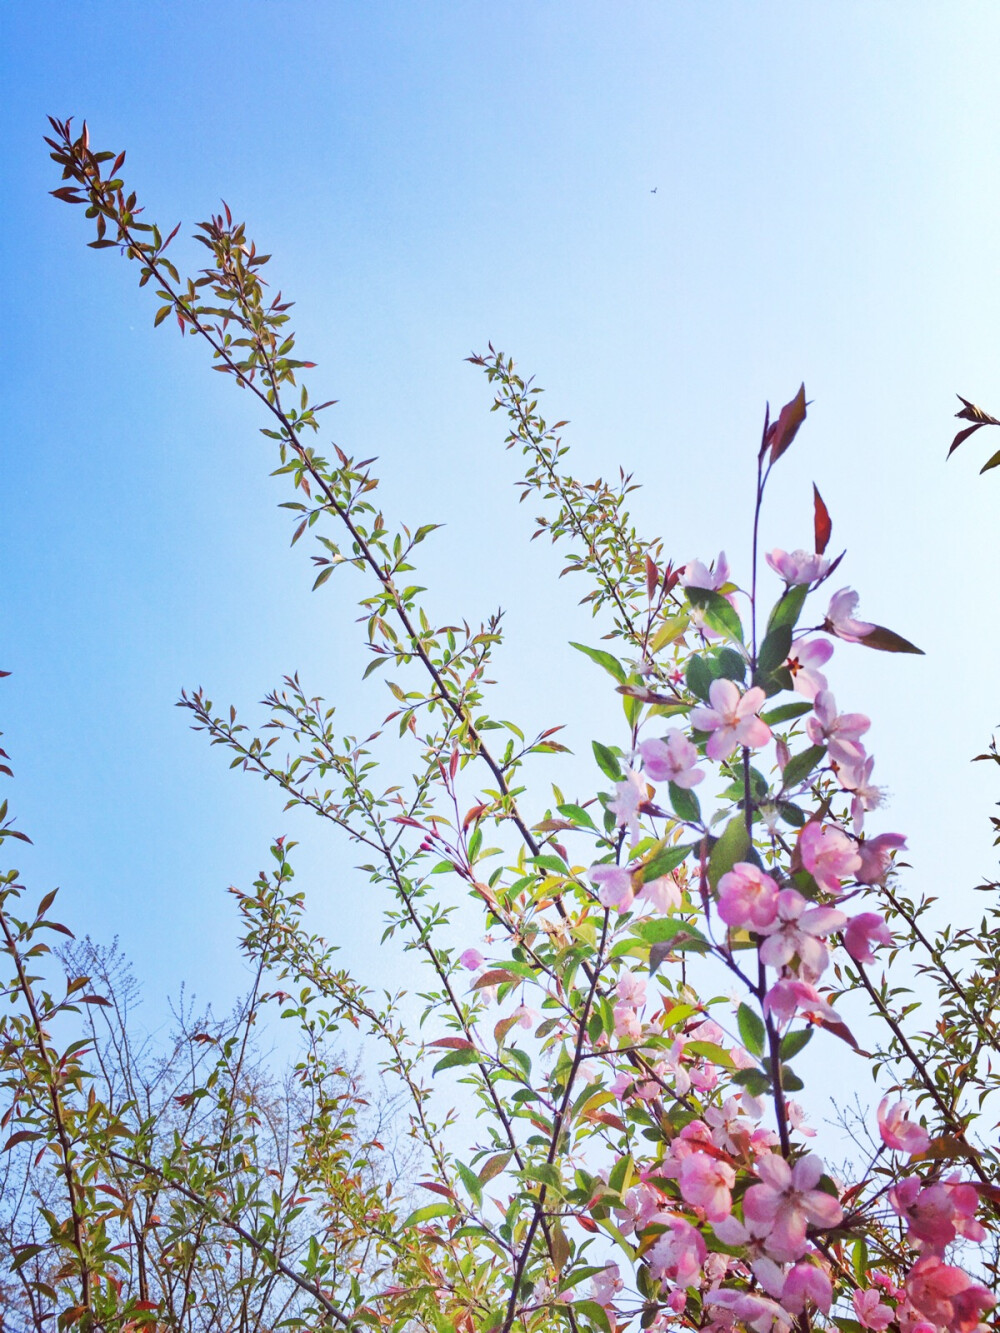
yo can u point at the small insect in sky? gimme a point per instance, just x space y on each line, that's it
654 189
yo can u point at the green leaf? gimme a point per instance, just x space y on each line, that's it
685 804
578 815
456 1058
730 664
788 608
733 846
610 664
699 677
801 765
674 936
719 614
664 861
752 1030
793 1042
755 1082
859 1259
596 1314
786 712
471 1182
428 1212
607 762
990 463
774 649
790 1082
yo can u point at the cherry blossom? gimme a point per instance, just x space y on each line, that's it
706 1183
606 1284
870 1311
804 661
827 854
866 796
615 885
947 1296
748 897
897 1130
629 795
671 759
732 719
789 996
757 1312
471 959
696 575
840 732
798 930
679 1253
807 1282
840 617
789 1201
862 933
876 856
661 894
797 566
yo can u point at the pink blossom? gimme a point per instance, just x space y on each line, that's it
526 1018
840 617
632 989
661 894
641 1202
615 885
804 661
757 1312
788 997
866 796
827 854
870 1311
806 1282
671 759
732 719
947 1296
472 959
748 897
799 930
705 1182
678 1254
788 1200
629 795
840 732
897 1130
797 1119
876 856
628 1024
696 575
606 1284
797 566
862 933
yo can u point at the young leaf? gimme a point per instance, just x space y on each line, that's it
610 664
752 1030
822 523
607 762
801 765
781 434
733 846
887 641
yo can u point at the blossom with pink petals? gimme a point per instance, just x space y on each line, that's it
615 888
697 575
807 1282
862 933
606 1285
788 997
798 930
840 617
856 778
472 959
789 1201
870 1311
839 732
797 566
804 662
827 854
947 1296
748 897
671 759
897 1130
628 1024
706 1183
732 719
876 857
629 795
661 894
679 1253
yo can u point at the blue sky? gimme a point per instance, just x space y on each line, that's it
429 177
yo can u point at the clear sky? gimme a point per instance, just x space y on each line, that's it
667 212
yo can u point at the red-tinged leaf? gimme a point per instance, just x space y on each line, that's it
822 524
502 1028
588 1224
946 1147
4 673
495 977
145 1305
22 1136
493 1166
963 435
5 769
606 1118
453 1044
473 814
436 1188
838 1029
652 578
991 1192
970 412
405 819
781 434
94 999
63 930
887 641
46 903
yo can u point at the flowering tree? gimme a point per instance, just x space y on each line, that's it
640 1157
